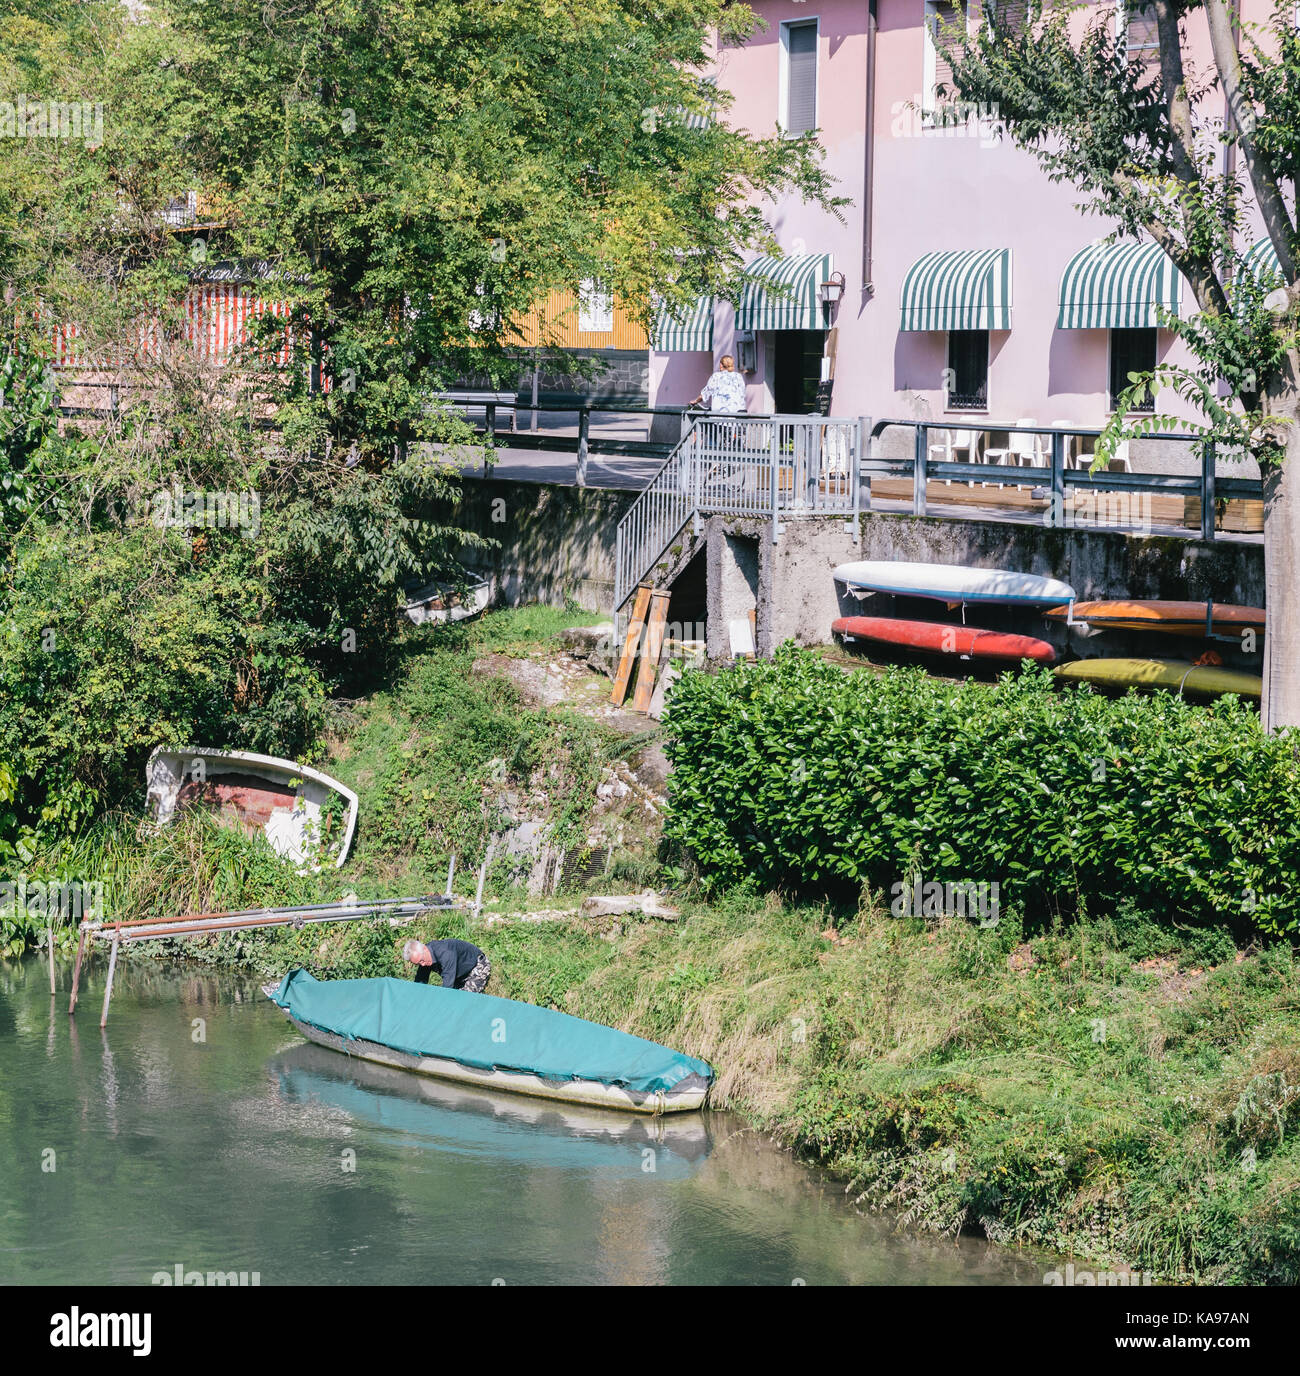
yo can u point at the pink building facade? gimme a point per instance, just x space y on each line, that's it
918 188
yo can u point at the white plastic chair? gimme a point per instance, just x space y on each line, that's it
1119 458
1023 450
951 443
1069 440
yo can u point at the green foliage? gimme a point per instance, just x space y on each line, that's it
1142 142
436 756
803 775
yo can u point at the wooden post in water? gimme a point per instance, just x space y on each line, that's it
108 988
76 973
49 936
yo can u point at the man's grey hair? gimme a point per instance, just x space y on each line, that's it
411 949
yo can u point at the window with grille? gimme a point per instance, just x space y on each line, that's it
968 370
595 309
800 45
1131 351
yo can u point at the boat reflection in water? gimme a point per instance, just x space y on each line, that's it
440 1116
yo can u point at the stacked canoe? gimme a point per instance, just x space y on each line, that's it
1207 675
956 586
953 585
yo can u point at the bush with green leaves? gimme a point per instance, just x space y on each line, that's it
809 777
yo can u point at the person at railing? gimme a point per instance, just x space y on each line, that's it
725 389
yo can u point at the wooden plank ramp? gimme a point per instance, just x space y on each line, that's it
652 649
635 625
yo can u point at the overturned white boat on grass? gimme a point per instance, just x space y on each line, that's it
308 817
439 602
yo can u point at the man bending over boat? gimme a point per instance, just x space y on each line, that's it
462 964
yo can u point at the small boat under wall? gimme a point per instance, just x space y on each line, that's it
436 603
1177 675
952 583
491 1043
307 817
938 637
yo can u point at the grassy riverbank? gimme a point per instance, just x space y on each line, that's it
1118 1089
1101 1091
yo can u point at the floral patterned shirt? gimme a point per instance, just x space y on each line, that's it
725 392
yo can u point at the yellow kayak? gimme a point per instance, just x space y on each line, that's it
1175 674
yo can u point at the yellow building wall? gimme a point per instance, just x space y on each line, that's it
559 312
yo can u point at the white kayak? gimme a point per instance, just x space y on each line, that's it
952 583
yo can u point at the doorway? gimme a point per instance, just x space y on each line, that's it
796 370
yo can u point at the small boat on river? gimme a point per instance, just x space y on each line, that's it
491 1043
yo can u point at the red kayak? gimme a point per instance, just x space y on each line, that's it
936 637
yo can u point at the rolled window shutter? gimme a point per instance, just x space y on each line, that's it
801 79
1014 14
945 15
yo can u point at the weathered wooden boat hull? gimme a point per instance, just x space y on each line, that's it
285 801
591 1093
437 603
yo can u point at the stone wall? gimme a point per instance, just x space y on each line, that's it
559 541
554 541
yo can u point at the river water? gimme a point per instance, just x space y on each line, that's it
199 1131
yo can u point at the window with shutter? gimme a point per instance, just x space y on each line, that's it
942 19
1141 34
1012 15
800 114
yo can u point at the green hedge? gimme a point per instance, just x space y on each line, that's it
802 774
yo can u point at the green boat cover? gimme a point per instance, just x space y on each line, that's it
482 1031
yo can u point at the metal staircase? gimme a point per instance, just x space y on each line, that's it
766 467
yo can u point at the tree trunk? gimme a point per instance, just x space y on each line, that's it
1281 702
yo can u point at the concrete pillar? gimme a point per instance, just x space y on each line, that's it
732 590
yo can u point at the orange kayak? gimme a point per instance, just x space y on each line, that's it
1170 618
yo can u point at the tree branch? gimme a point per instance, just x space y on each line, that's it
1268 195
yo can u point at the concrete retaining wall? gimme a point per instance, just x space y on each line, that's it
559 541
795 573
555 542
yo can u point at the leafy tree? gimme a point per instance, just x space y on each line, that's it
1143 143
411 176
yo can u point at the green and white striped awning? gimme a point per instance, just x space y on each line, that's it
958 289
1117 287
1260 260
796 302
690 331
